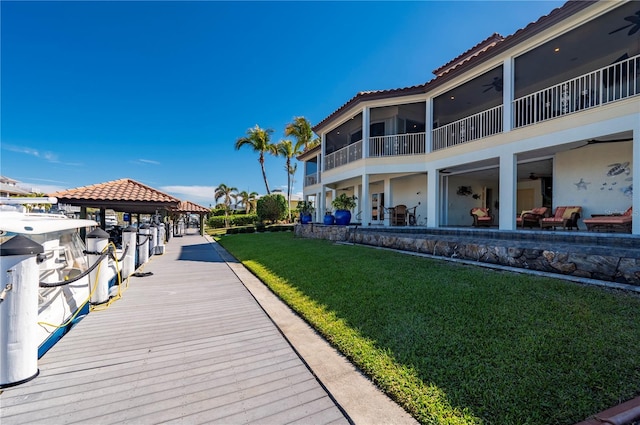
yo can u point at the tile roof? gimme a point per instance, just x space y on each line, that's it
190 207
117 190
479 48
484 50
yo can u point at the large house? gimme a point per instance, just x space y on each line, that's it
548 116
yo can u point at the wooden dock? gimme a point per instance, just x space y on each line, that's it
188 344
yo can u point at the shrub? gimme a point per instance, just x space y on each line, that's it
272 208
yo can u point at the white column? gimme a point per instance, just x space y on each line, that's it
507 94
322 201
508 187
365 202
433 198
365 134
635 226
323 145
388 201
428 128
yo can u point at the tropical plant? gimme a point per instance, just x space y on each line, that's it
272 207
259 140
305 207
227 193
300 129
344 202
288 150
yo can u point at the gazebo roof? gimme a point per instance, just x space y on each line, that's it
190 207
124 195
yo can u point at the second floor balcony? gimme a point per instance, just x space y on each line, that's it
608 84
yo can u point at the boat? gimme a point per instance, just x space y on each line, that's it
65 284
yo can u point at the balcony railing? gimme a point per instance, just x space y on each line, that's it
311 179
608 84
397 144
482 124
343 156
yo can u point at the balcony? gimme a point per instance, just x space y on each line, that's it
343 156
605 85
482 124
311 179
397 144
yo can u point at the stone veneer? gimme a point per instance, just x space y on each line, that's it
614 258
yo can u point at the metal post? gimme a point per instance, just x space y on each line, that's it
18 310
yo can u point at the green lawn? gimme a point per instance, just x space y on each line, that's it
458 344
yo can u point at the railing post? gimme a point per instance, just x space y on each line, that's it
18 310
97 242
129 243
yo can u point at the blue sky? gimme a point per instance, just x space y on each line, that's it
160 91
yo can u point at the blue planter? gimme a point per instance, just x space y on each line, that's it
329 219
305 218
343 217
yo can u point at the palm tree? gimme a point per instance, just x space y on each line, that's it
252 202
225 192
260 140
289 150
243 196
300 129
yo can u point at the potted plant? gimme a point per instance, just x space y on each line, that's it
329 218
305 208
343 205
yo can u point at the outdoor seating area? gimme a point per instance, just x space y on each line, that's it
481 216
532 217
564 216
610 222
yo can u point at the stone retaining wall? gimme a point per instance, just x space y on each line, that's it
621 267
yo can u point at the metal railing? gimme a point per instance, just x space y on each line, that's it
397 144
311 179
608 84
343 156
482 124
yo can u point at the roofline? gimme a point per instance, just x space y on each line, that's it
554 17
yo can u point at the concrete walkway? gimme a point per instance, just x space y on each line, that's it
196 342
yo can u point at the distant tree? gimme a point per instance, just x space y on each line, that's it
260 141
252 202
300 129
289 150
241 200
226 193
272 208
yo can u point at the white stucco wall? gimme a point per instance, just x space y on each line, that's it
587 177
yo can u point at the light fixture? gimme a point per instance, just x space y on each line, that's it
557 49
453 97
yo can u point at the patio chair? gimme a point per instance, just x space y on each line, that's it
481 216
611 222
565 216
399 217
532 217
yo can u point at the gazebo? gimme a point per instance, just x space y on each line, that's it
124 195
188 207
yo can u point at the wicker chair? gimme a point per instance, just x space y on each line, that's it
567 217
399 217
481 216
532 218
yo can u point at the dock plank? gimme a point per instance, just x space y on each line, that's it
187 344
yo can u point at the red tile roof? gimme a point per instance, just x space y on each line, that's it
474 56
117 190
479 48
124 195
190 207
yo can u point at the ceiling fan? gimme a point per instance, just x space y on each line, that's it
496 84
596 141
635 24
